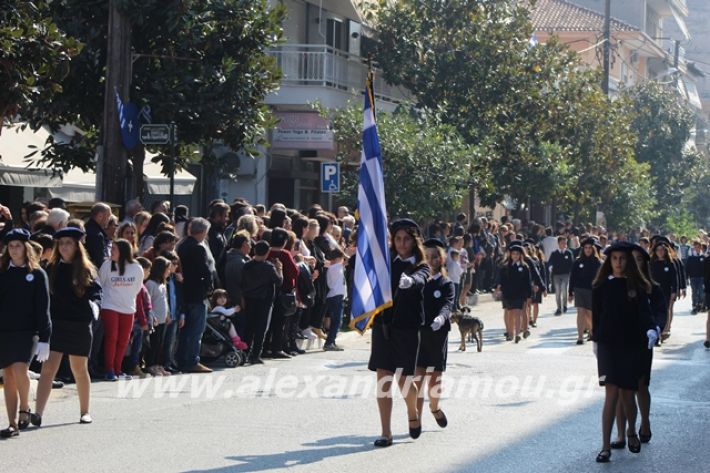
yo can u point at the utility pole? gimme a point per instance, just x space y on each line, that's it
607 46
112 164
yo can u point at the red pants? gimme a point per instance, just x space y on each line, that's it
117 332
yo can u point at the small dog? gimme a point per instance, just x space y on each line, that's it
470 328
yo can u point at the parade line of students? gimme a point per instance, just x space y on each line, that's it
80 289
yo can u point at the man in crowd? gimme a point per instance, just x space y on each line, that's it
98 244
260 281
197 285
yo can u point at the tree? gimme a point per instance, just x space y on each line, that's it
434 161
201 64
34 56
663 121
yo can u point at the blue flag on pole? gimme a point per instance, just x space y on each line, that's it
372 292
128 121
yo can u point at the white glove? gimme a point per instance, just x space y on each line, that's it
94 309
42 352
438 322
405 282
595 349
652 338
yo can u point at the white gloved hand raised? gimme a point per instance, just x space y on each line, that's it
652 338
405 282
42 352
438 322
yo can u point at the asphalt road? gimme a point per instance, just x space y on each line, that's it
531 407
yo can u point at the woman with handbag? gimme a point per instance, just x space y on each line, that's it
285 300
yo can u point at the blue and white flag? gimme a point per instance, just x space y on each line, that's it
372 293
128 121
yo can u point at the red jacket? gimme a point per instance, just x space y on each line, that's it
143 307
290 270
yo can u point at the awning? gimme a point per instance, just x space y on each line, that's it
15 144
76 185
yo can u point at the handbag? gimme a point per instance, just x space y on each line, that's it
288 303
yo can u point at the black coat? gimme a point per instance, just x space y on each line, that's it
24 302
515 281
583 273
65 304
407 310
664 273
198 281
619 321
561 262
694 266
97 243
659 307
438 300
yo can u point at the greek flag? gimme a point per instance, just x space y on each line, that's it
371 289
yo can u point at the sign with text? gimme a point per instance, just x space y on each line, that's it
330 178
301 130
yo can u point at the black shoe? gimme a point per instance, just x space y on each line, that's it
22 424
383 442
634 444
564 310
618 445
57 384
604 456
558 312
441 421
293 353
706 344
580 341
172 370
36 419
11 431
694 311
415 432
281 355
645 438
256 361
266 354
299 351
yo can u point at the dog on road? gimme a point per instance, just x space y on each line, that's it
470 327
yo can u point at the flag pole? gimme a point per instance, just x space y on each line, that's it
371 85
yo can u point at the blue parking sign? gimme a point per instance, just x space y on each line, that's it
330 178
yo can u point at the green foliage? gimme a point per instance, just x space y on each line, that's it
430 157
203 66
682 223
34 56
662 122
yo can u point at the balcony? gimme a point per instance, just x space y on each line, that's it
318 72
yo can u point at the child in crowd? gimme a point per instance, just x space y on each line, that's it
157 289
141 323
335 297
219 309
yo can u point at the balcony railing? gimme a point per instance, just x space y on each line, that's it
323 66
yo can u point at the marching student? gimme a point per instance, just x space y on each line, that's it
560 265
664 273
515 287
395 332
538 259
622 325
438 302
75 293
24 313
582 275
694 267
659 311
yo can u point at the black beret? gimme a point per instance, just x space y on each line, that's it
620 246
71 232
404 223
530 241
516 248
433 243
661 243
660 238
19 234
516 243
643 252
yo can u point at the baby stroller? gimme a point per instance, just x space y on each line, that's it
217 344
